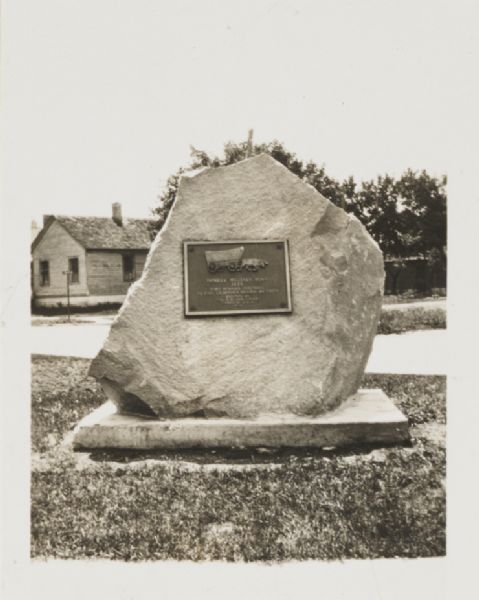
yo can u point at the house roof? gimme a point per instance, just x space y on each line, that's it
102 233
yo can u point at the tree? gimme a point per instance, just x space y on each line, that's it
406 217
380 211
340 193
425 209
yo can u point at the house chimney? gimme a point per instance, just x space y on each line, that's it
116 213
35 230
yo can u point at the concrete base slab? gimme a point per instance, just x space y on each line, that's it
368 416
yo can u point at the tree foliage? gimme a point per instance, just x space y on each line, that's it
406 216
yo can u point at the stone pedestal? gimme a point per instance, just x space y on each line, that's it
369 416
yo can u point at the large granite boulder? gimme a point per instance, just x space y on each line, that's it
159 362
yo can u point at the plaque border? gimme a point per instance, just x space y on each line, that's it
219 313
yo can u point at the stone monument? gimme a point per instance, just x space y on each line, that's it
251 325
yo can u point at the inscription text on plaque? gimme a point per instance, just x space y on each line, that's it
234 278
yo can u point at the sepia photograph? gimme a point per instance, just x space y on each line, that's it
227 318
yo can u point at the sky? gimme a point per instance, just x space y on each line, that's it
105 97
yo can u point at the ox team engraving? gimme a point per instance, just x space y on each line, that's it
233 278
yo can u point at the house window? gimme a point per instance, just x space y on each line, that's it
128 267
44 273
73 268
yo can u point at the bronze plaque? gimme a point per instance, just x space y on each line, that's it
236 278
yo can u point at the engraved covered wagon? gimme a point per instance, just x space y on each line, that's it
232 260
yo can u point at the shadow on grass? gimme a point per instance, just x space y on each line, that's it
238 456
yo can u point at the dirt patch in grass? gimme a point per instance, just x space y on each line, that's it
286 505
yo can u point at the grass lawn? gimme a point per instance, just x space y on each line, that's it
234 505
104 309
411 297
412 319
